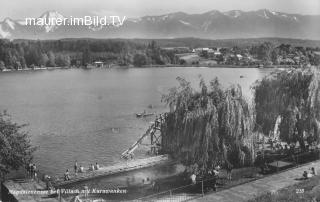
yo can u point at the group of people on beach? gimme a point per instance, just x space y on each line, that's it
31 170
80 169
307 175
212 175
286 148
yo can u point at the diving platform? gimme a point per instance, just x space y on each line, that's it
114 169
155 139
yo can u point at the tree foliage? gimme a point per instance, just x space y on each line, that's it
79 52
209 127
294 95
2 66
28 53
15 148
139 60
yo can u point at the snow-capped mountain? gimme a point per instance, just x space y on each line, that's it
213 25
7 27
51 15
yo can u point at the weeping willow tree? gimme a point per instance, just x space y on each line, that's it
294 95
208 127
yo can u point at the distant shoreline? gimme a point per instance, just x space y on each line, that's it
34 69
155 66
223 66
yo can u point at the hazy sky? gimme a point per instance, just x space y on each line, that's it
18 9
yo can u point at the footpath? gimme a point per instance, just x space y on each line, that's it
250 190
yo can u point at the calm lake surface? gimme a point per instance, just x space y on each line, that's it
89 115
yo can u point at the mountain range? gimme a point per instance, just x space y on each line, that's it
211 25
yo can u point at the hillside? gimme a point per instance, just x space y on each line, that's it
212 25
198 42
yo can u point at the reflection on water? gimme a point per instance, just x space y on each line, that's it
89 116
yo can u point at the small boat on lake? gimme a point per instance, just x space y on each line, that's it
143 114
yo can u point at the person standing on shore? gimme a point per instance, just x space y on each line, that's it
31 170
81 169
229 168
193 178
34 171
86 191
91 167
28 168
313 171
66 175
76 167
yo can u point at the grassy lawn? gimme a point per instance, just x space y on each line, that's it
305 191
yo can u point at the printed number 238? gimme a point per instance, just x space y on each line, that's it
299 191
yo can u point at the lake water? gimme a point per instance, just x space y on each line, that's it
89 115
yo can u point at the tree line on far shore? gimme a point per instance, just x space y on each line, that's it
79 53
22 54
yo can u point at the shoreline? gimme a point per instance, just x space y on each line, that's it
155 66
34 69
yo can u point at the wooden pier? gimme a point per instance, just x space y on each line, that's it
11 188
114 169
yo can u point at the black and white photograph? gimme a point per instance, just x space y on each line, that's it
160 100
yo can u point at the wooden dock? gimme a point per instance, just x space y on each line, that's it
114 169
